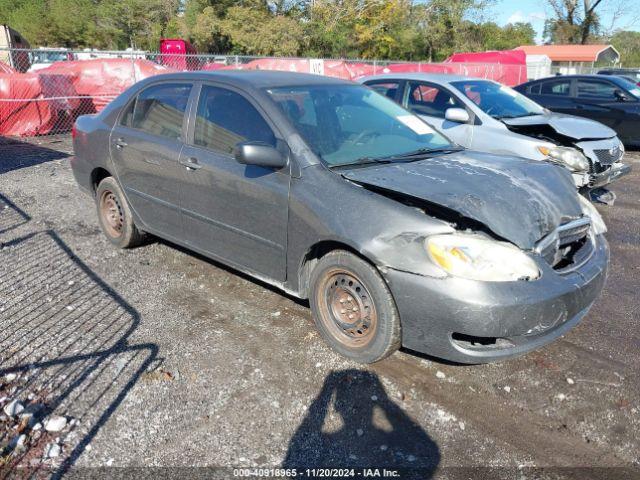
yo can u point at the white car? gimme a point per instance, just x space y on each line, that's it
44 57
486 116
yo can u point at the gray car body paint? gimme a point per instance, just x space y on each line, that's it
520 201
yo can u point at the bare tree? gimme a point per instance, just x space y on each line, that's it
577 21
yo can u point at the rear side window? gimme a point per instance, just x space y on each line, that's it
534 89
561 88
430 100
388 89
226 118
159 110
126 120
596 89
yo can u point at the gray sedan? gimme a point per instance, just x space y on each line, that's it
336 194
489 117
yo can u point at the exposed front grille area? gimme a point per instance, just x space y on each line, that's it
609 156
601 154
568 245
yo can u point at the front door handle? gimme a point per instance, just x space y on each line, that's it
191 163
120 143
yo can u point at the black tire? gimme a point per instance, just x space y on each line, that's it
114 215
343 286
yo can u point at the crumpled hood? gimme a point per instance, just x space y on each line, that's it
517 199
568 125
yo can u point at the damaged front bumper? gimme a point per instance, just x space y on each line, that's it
470 321
617 170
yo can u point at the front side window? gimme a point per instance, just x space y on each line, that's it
596 89
560 88
430 100
159 110
353 123
498 100
225 118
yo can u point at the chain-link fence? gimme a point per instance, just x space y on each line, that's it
43 91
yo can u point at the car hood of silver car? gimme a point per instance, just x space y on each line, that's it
517 199
568 125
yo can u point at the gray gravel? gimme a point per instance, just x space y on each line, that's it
159 357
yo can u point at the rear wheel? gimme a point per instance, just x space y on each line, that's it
353 308
115 215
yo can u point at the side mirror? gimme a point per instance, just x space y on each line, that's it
620 96
259 154
458 115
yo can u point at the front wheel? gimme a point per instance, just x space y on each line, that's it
353 308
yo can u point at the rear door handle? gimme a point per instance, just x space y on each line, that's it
120 143
191 163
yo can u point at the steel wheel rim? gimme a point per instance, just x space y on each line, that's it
347 309
111 213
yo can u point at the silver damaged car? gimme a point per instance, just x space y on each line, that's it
489 117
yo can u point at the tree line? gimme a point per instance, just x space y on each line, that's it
381 29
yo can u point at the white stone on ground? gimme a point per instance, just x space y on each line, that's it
13 408
55 423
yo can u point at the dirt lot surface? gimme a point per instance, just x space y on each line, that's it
159 357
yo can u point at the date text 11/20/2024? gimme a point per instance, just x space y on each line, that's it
316 473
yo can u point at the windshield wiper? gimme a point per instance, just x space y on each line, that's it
403 157
506 117
422 152
361 161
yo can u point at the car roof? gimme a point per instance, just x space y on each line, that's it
442 78
620 70
257 79
577 75
612 78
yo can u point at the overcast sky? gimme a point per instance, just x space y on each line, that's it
535 12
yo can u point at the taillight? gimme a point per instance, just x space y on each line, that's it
74 131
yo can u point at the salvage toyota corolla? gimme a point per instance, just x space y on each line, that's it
334 193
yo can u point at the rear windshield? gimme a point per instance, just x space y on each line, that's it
346 123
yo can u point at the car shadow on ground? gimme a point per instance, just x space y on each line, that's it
66 354
353 423
16 153
11 216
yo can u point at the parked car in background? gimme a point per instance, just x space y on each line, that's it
608 99
43 57
334 193
489 117
632 74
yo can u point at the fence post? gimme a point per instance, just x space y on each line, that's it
133 68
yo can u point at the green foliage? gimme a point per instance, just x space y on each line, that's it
628 44
376 29
255 31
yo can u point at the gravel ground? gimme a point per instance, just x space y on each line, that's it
158 357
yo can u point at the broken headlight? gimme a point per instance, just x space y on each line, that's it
476 257
597 223
567 156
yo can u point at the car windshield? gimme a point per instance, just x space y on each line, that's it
496 100
629 86
347 124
